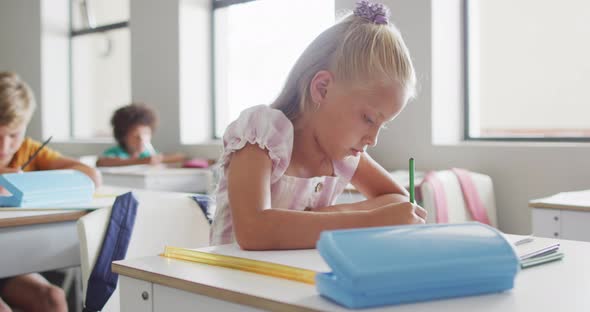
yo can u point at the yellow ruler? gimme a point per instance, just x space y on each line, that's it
244 264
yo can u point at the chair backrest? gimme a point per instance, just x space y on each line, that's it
446 187
163 218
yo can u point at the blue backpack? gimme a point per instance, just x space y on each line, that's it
103 281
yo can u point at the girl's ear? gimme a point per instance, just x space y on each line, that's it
319 86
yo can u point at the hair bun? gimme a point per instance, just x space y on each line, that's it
375 12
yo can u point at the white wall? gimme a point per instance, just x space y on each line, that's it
158 65
155 64
20 48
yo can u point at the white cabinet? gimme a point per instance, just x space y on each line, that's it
143 296
559 223
546 222
136 295
575 225
168 299
564 215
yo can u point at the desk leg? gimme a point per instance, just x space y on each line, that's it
136 295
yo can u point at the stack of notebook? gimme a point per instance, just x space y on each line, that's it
533 252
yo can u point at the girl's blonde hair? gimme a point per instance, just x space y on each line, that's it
356 51
17 102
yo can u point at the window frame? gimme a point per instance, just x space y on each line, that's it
467 101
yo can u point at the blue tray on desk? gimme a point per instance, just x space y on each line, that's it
401 264
46 188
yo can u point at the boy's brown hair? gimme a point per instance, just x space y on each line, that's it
17 101
127 117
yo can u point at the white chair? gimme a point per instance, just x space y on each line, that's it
456 206
163 218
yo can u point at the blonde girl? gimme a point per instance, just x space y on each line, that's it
284 165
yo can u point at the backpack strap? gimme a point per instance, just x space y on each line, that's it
102 281
471 196
204 202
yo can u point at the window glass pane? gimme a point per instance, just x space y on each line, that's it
93 13
100 81
256 44
528 68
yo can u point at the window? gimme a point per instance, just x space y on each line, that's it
255 45
527 70
99 65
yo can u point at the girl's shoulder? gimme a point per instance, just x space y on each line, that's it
261 122
264 114
266 127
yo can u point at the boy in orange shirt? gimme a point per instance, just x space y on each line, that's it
30 292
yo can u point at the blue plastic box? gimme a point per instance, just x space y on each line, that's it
402 264
51 188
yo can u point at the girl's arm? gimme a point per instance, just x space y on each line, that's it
173 158
116 161
257 227
376 184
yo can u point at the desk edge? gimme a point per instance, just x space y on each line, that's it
558 206
42 219
206 290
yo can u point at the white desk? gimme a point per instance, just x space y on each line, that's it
564 215
42 240
160 284
159 178
37 241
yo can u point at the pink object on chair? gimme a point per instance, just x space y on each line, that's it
457 195
440 199
471 197
196 163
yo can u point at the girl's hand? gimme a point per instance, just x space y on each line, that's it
9 170
174 158
401 213
154 159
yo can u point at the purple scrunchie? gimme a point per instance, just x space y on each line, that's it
374 12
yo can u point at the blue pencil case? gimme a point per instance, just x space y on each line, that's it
50 188
402 264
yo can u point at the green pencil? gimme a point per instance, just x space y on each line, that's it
412 199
